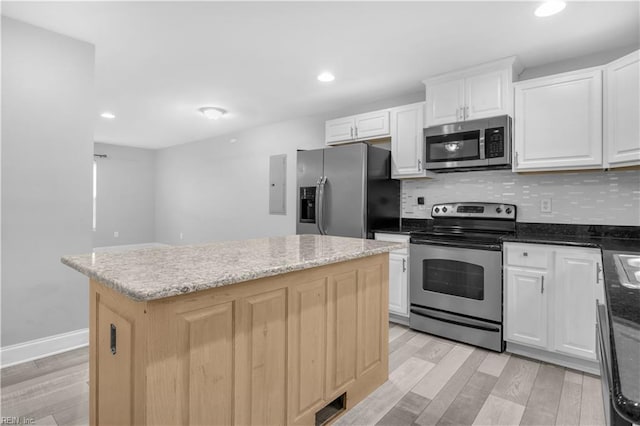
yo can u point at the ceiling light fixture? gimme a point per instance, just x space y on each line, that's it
326 77
108 115
549 8
212 113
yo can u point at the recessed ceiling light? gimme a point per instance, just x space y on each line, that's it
326 77
212 113
108 115
549 8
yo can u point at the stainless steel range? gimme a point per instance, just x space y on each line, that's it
456 273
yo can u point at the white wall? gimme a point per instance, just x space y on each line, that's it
126 195
47 129
594 198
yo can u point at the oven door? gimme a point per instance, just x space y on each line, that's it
464 281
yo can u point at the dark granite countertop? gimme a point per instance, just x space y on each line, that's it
407 226
623 304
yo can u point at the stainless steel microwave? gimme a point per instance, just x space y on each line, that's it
469 145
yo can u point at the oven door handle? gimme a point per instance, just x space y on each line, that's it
458 321
477 246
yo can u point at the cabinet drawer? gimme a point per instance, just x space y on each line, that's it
527 255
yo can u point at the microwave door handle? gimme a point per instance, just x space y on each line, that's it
481 146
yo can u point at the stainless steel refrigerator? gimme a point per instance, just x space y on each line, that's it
346 191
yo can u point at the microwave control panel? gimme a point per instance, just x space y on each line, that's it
494 142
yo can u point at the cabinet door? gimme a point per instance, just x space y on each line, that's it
622 109
406 140
307 349
398 284
373 312
526 310
342 308
260 356
371 125
578 286
114 385
486 95
558 122
339 130
444 102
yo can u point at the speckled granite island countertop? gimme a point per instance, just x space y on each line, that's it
156 273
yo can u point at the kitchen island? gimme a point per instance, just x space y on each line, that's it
281 330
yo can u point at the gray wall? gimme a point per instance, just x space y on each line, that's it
126 195
47 126
598 198
574 64
218 190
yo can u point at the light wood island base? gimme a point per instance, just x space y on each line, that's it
269 351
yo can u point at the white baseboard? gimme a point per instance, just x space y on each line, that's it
592 367
40 348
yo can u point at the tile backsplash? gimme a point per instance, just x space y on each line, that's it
600 198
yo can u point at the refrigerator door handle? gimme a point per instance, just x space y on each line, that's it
320 204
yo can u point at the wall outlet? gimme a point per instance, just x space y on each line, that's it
116 234
545 205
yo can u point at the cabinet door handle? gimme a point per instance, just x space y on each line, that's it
419 165
466 112
542 285
599 269
355 131
516 158
113 339
351 132
404 265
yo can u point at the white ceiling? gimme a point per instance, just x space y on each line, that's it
157 62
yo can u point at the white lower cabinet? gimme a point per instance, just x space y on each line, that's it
578 286
550 298
398 288
398 275
526 307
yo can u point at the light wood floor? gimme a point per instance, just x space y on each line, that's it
431 381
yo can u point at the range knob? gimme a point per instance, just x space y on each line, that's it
437 210
498 210
508 210
444 210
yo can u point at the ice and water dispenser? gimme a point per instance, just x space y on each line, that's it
307 204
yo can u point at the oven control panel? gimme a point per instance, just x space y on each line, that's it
475 210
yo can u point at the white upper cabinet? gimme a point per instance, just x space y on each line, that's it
479 92
444 100
487 95
357 127
407 145
558 122
339 130
622 111
373 124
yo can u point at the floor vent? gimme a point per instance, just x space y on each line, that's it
331 410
